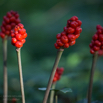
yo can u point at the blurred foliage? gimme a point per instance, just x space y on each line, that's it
43 19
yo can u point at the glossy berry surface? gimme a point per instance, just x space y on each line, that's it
97 41
9 22
18 35
69 34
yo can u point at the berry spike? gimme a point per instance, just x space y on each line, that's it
10 20
70 34
97 40
58 73
18 36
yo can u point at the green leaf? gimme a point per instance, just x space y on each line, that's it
65 90
43 89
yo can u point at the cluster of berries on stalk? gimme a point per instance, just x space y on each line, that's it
9 21
18 35
97 40
58 73
70 34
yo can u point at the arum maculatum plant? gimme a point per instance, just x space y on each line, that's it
9 21
57 76
18 35
64 39
96 48
54 91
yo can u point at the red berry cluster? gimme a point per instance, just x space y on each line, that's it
97 40
9 21
58 73
18 35
70 34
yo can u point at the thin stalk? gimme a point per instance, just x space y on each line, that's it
20 74
52 93
56 98
5 70
91 76
59 53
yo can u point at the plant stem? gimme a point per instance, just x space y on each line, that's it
91 76
56 98
59 53
20 74
5 70
52 93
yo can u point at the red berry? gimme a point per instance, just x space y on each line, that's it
68 23
18 36
21 25
17 21
58 36
71 37
54 79
13 40
70 30
16 15
90 45
78 30
92 51
92 42
65 29
101 47
72 43
12 35
98 27
2 35
77 36
95 37
66 45
12 12
74 24
63 33
64 39
56 46
9 15
3 29
97 43
24 35
22 31
7 32
23 41
16 28
16 32
99 31
18 44
8 27
59 42
79 22
13 25
100 37
74 18
95 48
6 19
12 19
4 23
102 43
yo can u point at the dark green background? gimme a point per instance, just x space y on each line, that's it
43 19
